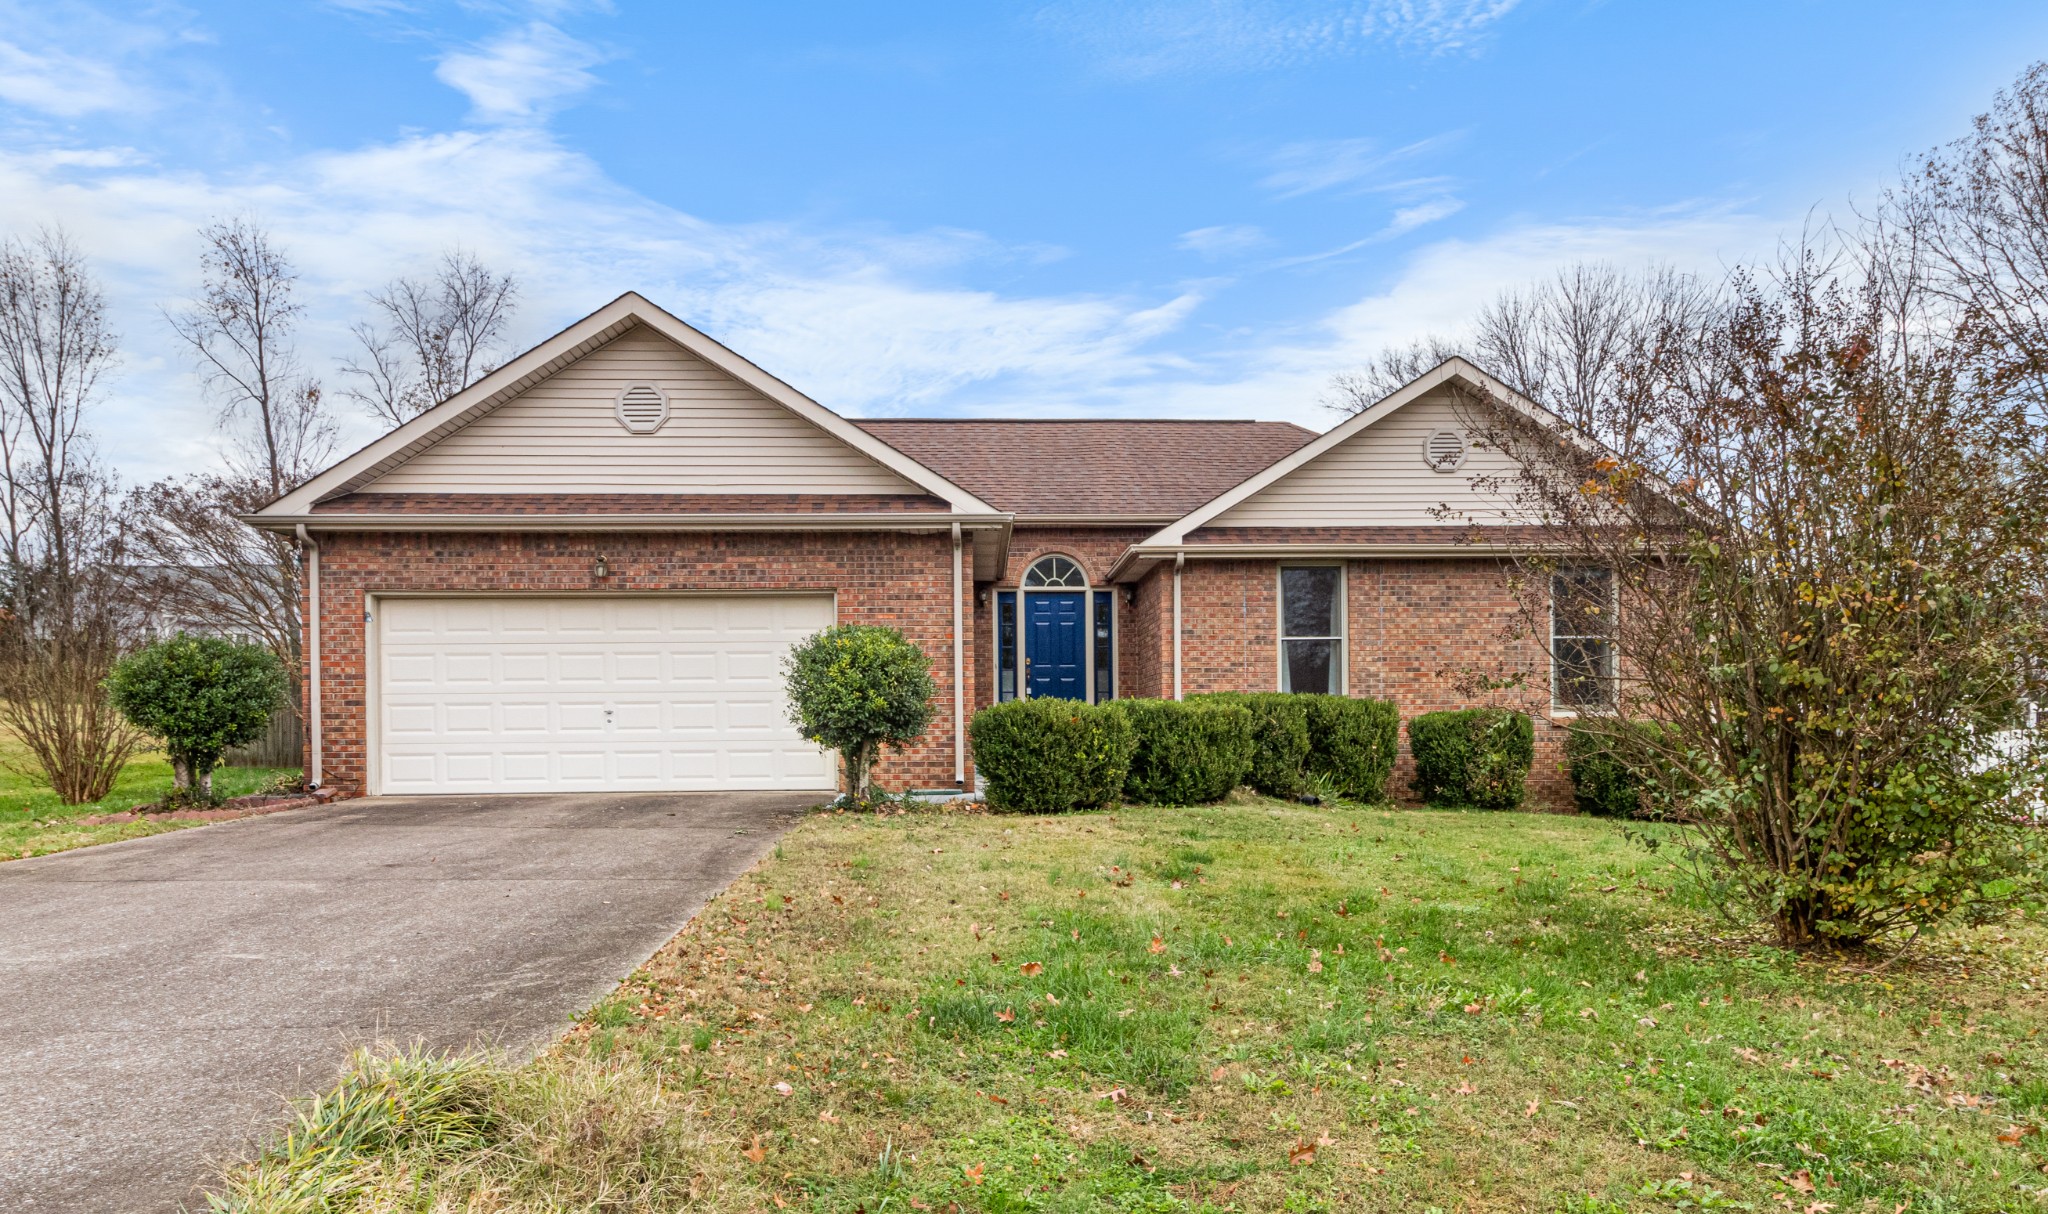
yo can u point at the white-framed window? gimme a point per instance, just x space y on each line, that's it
1055 573
1582 654
1312 628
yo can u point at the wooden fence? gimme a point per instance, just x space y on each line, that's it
283 745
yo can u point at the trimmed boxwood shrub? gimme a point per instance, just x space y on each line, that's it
1601 783
1280 738
1188 752
1473 756
1352 742
1048 756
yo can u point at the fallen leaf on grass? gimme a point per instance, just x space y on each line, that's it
1466 1089
1473 1009
1158 944
783 1089
1006 1015
756 1152
991 1099
1531 1110
1113 1095
973 1174
1031 969
1302 1154
828 1119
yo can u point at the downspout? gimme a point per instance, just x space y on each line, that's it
959 675
312 616
1179 559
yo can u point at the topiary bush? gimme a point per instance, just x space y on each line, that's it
1352 742
1280 738
1604 784
1473 756
203 696
857 688
1048 756
1188 752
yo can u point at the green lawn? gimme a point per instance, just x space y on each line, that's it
1255 1006
33 821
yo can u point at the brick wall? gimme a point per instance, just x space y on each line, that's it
1416 630
902 580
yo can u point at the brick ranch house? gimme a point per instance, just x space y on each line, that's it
582 572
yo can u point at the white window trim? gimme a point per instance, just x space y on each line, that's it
1343 639
1558 708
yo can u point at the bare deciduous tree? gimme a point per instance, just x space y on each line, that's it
1566 341
437 337
208 564
68 613
1976 212
240 330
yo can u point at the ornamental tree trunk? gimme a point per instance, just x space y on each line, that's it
860 764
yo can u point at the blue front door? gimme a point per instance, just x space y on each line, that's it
1056 645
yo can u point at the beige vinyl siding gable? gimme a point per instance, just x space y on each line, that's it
561 436
1378 478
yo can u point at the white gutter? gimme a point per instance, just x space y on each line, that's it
792 521
959 675
1178 561
1126 564
310 612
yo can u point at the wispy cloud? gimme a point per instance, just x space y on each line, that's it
1155 37
1310 165
1224 240
72 61
523 74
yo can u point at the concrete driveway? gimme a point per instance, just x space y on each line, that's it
158 997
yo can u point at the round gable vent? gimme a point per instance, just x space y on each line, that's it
641 408
1443 450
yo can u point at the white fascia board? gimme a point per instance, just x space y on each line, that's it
934 520
1445 372
1136 556
614 318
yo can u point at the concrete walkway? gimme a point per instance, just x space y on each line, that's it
158 998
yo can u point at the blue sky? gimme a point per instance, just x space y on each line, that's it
1153 207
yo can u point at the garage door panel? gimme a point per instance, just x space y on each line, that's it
510 694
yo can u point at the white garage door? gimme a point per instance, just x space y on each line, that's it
592 694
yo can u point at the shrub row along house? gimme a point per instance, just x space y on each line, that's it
582 572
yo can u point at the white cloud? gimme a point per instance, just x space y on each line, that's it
868 322
1306 166
1155 37
522 74
1225 240
71 61
1407 219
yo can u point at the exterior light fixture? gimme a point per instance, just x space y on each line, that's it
604 567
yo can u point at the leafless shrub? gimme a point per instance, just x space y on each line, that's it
69 613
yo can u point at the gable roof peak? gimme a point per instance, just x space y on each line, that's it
627 311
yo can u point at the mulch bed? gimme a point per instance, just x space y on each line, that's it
234 807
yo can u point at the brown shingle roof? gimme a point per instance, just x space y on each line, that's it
1086 466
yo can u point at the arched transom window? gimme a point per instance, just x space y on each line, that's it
1055 573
